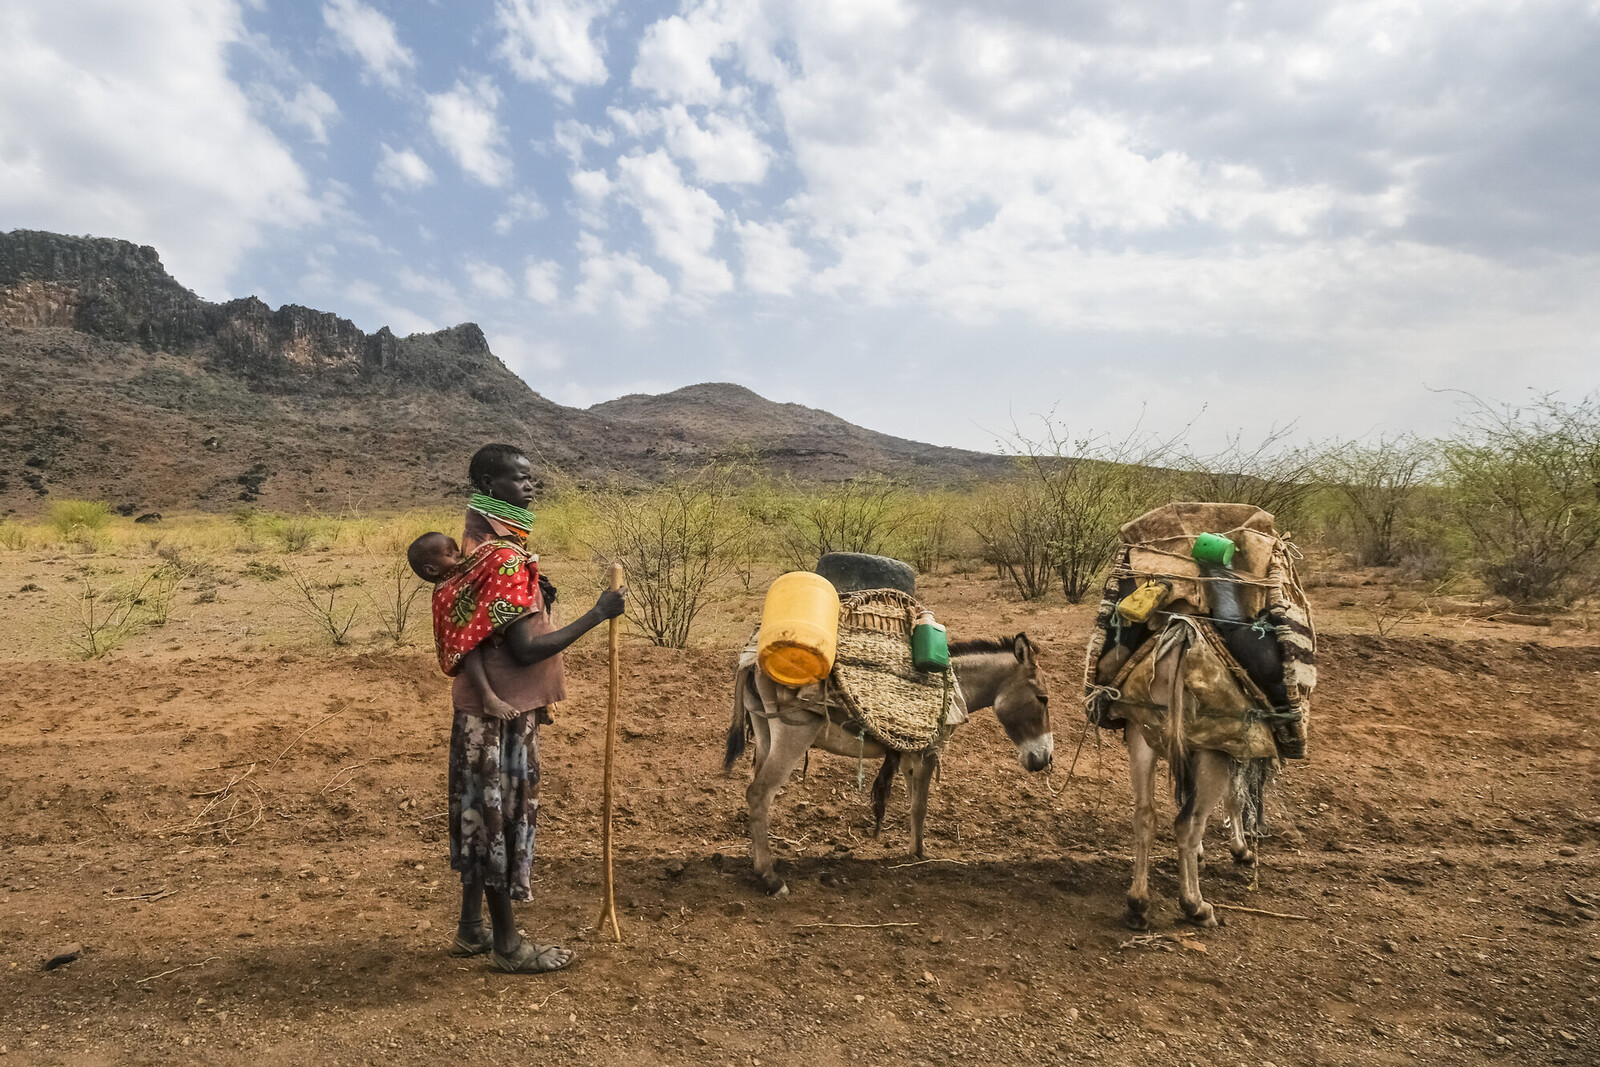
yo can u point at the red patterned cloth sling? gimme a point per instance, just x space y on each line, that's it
496 584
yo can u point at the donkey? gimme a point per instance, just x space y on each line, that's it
1000 674
1201 779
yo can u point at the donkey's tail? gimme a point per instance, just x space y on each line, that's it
1180 758
739 728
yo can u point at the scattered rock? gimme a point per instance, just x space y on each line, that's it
424 924
860 998
828 878
63 956
675 869
1389 947
1566 850
936 939
1071 1015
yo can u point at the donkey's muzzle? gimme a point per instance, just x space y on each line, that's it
1038 753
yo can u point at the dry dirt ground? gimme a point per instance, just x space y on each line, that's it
242 829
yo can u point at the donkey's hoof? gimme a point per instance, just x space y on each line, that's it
1203 916
1245 857
774 885
1137 917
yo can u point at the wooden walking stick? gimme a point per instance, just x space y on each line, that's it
608 907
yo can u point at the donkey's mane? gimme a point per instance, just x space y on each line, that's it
979 646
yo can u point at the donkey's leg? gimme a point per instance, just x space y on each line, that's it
919 777
1211 780
1233 812
787 747
762 731
1142 775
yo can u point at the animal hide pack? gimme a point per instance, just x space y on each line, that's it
1258 599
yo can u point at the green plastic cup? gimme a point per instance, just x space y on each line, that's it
1214 549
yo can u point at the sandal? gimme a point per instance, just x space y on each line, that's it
476 946
528 958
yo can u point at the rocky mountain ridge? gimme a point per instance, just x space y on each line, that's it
118 382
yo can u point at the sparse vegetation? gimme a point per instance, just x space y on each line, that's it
72 518
322 602
1526 485
394 596
678 541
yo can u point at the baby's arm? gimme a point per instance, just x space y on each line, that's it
472 670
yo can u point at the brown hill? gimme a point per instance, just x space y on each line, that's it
118 383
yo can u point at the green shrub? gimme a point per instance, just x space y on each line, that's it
1526 485
71 518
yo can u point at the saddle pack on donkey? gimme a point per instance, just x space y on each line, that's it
1209 591
877 691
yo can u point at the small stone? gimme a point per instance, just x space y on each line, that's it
424 924
936 939
1072 1015
1502 1040
1566 850
1568 1037
675 869
1390 947
1454 971
927 978
828 878
860 998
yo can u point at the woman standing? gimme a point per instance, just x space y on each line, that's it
494 763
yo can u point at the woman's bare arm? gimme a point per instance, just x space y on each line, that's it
529 648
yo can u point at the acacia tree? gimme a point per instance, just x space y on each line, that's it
1271 474
1380 483
1525 482
858 515
1012 521
1087 487
678 541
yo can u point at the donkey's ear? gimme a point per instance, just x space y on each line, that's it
1023 648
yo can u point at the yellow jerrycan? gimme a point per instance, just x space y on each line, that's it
799 629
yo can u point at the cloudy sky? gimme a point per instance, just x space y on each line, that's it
932 218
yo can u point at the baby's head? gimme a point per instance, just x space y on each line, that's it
433 555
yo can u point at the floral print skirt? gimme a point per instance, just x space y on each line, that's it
494 800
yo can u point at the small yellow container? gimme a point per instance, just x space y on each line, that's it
799 629
1144 601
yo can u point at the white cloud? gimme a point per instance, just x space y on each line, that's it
465 122
617 283
519 207
367 34
541 280
121 120
682 220
488 279
402 170
522 354
571 136
771 262
310 108
721 149
552 42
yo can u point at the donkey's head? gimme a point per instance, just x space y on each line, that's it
1005 675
